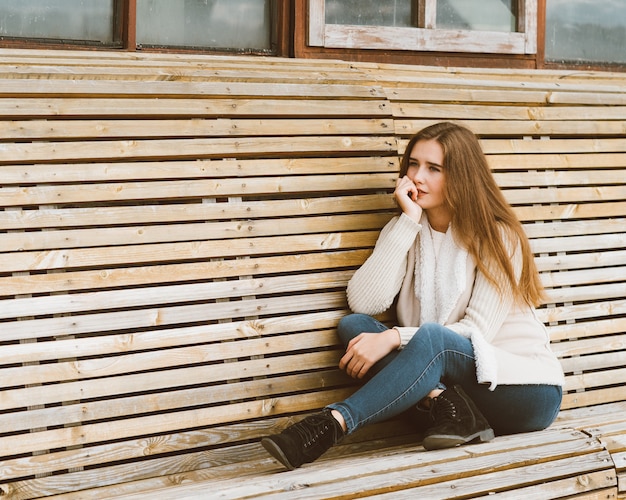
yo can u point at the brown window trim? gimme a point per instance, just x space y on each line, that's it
127 33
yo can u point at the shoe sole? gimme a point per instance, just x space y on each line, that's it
441 441
273 449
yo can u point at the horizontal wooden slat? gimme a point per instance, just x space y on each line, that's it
560 178
32 87
534 146
163 316
196 271
593 397
595 293
566 194
171 294
119 385
190 212
538 127
192 148
595 275
11 108
198 188
574 228
534 116
583 311
188 232
194 250
97 129
564 332
579 243
552 161
168 338
166 358
570 211
194 169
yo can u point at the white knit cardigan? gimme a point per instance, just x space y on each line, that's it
511 345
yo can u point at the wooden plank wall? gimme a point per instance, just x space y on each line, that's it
178 231
174 253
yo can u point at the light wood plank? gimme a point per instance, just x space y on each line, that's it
98 237
167 338
162 316
191 148
162 274
498 114
194 250
195 169
98 88
187 108
220 127
552 161
189 189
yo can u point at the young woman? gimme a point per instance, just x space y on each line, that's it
469 348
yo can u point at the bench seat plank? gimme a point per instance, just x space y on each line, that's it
446 474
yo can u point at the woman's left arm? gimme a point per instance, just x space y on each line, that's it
489 304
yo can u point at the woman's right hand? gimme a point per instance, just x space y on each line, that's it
366 349
406 198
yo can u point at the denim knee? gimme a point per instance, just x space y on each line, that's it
429 333
347 327
354 324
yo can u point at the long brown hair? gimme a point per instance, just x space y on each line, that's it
481 217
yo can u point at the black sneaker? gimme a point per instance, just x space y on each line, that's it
457 421
305 441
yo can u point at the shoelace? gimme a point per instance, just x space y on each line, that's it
443 409
310 431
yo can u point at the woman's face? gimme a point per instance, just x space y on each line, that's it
426 171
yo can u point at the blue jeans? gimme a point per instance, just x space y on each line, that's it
437 355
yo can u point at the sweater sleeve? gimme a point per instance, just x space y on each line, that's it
489 305
376 283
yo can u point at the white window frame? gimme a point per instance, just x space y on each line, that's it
429 38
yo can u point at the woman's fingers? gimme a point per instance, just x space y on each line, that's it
406 198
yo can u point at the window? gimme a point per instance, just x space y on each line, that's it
586 31
491 26
221 24
80 21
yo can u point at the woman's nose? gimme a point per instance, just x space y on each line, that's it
418 174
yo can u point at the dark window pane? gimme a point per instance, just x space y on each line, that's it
77 20
227 24
479 15
586 31
370 12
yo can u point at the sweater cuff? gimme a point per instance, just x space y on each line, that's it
407 225
406 334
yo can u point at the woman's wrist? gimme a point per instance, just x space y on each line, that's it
394 338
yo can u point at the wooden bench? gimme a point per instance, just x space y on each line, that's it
176 239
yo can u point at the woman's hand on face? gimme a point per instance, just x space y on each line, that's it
367 349
406 198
